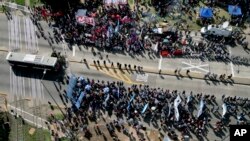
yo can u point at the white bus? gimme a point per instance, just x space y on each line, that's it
32 61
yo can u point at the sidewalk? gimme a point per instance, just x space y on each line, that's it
179 73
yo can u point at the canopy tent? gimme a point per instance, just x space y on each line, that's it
234 10
206 13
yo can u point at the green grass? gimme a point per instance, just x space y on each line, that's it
44 134
39 134
64 139
59 116
20 2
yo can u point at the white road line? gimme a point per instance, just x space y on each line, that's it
25 32
32 29
24 87
24 112
36 39
12 35
74 50
231 64
32 88
38 85
195 67
142 77
28 33
11 84
16 32
9 31
42 90
160 62
29 84
19 85
20 34
14 83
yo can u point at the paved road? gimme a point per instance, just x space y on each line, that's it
23 36
29 85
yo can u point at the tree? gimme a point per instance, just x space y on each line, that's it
4 127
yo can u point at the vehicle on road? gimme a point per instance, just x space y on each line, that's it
223 30
32 61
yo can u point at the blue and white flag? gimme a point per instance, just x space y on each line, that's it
106 90
189 99
177 101
78 103
128 107
224 108
117 26
118 92
87 87
132 98
169 110
106 100
110 31
144 108
201 108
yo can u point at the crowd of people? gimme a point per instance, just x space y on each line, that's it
137 105
119 28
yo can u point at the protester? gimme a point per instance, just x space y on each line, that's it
170 110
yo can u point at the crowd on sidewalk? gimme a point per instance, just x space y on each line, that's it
136 105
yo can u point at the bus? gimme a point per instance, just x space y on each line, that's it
32 61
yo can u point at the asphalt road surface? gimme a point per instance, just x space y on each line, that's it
18 35
14 36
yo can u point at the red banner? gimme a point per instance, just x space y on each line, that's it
86 20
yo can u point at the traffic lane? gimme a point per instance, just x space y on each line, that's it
239 51
4 29
82 70
4 76
172 83
165 63
201 86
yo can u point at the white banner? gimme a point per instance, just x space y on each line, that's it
109 2
177 101
201 108
85 19
224 107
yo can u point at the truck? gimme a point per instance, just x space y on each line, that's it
223 30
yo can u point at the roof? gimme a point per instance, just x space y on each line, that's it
32 59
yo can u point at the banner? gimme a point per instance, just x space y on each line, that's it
144 108
115 2
201 108
85 20
224 107
177 101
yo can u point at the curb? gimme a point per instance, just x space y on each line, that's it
192 75
3 50
3 94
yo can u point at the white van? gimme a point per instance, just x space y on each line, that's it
220 30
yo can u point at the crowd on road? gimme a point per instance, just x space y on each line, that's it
119 28
168 111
